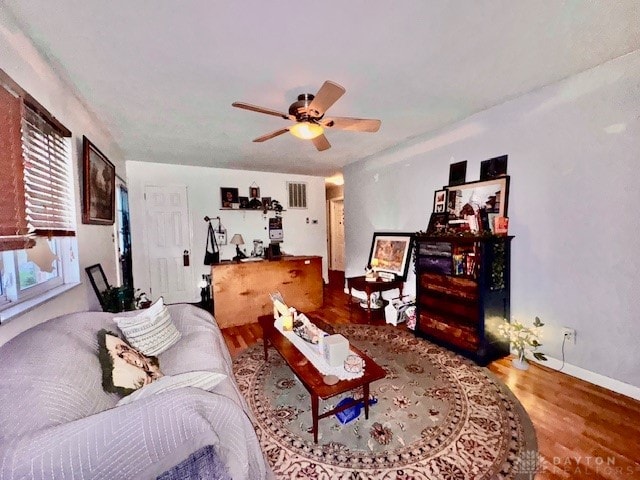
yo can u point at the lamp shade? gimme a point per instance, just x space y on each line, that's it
237 240
306 130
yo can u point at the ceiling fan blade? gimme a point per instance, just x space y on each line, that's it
321 142
352 124
269 136
255 108
328 94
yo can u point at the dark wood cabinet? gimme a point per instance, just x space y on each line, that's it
462 293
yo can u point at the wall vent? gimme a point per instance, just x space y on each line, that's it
297 194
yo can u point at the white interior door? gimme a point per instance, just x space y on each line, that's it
167 227
336 208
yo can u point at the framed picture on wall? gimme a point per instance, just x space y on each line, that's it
228 196
254 191
99 186
390 252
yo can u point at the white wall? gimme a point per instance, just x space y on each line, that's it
20 60
203 187
573 159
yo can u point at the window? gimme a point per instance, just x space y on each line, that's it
37 208
28 273
3 295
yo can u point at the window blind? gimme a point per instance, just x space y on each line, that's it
36 180
47 177
13 222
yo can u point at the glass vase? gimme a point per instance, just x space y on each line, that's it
520 362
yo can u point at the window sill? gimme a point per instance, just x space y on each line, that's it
11 311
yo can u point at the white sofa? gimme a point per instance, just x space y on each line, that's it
56 420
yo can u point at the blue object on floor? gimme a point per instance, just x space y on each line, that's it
351 413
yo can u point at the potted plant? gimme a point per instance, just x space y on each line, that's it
522 339
123 299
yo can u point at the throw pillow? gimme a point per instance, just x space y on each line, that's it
124 369
151 331
199 379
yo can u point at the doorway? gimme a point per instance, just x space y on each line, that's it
168 244
124 238
336 241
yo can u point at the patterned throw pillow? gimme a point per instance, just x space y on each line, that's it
124 369
151 331
199 379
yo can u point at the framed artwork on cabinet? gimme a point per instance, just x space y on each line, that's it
437 223
493 168
440 201
468 198
390 252
458 173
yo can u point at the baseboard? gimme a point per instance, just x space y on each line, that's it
592 377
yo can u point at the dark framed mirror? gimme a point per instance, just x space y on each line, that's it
98 281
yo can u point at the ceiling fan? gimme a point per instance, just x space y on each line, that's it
308 113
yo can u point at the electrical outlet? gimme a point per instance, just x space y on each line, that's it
569 334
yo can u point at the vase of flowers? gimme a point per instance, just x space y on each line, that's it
523 339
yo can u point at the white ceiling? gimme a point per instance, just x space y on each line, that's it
162 74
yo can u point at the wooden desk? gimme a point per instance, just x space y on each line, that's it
361 284
241 290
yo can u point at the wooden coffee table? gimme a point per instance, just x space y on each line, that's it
311 378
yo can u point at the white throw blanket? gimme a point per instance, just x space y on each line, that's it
311 352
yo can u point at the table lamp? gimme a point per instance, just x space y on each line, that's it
237 240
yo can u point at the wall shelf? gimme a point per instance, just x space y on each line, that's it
248 210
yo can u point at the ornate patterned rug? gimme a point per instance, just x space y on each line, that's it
437 416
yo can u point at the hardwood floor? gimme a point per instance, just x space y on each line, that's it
584 431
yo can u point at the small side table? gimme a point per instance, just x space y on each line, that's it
360 283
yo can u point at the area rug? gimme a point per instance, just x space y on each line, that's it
436 416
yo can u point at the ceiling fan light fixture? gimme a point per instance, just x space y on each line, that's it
306 130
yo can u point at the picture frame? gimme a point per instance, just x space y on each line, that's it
493 168
458 173
437 223
244 202
276 232
273 251
98 281
254 192
391 251
99 186
468 198
440 201
266 203
228 196
254 198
